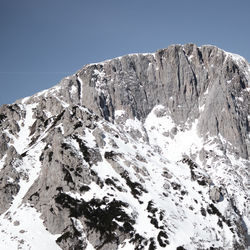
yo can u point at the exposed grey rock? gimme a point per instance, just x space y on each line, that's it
215 194
9 116
167 174
3 145
71 239
9 186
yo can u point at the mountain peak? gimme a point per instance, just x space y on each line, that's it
143 151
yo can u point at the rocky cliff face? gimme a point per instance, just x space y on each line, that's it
145 151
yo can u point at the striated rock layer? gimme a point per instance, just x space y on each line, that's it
144 151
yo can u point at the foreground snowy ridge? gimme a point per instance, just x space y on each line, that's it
131 153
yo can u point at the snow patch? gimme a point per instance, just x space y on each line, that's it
163 132
99 73
24 229
2 161
119 113
22 141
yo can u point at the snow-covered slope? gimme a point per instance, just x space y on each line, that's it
125 155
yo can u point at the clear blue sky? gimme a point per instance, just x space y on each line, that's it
41 41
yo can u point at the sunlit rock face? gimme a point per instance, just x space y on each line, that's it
144 151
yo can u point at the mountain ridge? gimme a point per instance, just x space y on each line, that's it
107 108
144 151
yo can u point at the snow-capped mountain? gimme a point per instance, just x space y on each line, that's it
144 151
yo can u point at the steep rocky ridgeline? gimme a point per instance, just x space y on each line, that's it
144 151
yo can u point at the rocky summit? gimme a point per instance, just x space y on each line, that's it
145 151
